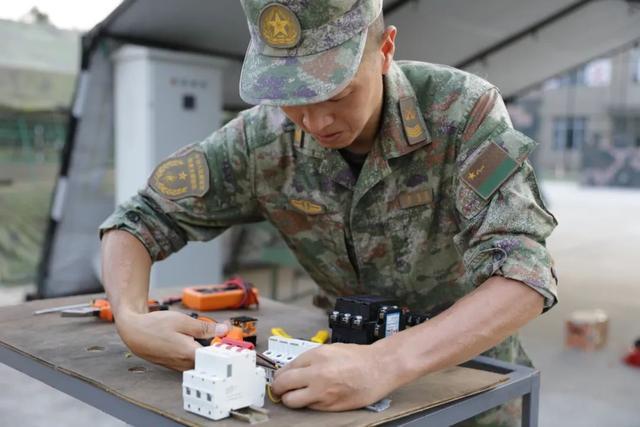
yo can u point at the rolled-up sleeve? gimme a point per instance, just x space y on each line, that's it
164 221
504 234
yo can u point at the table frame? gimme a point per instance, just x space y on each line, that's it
523 383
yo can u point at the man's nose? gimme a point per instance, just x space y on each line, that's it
316 121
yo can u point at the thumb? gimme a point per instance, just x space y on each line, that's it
201 329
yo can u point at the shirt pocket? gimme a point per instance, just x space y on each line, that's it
407 226
317 240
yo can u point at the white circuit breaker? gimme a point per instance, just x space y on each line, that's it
225 379
283 350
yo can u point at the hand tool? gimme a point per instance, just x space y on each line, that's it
248 326
101 308
61 308
233 294
234 336
321 337
279 332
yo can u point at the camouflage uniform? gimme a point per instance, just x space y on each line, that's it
413 225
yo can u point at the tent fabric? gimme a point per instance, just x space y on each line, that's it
84 193
442 31
38 66
513 43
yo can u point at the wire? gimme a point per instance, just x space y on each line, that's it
271 397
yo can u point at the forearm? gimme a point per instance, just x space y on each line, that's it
126 265
476 323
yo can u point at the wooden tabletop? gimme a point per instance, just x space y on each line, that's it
91 350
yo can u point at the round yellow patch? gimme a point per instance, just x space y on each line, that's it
279 26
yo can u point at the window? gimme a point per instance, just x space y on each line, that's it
635 65
626 131
569 133
559 134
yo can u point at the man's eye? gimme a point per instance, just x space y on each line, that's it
340 98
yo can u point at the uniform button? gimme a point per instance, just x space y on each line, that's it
133 217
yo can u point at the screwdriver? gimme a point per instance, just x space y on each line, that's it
101 308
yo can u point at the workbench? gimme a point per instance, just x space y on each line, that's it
85 358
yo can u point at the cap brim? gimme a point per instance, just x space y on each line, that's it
297 80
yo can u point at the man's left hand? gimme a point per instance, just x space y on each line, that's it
334 377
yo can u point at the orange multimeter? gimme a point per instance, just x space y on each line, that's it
233 294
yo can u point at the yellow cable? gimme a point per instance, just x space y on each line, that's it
270 394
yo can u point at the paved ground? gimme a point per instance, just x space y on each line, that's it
596 248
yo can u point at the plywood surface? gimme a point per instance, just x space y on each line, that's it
69 345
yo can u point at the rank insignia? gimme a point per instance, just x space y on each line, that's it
414 127
491 168
307 206
182 176
279 27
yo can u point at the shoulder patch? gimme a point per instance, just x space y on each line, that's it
490 169
414 127
182 176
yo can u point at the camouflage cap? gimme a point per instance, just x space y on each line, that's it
303 51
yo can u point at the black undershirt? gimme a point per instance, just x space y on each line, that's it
354 160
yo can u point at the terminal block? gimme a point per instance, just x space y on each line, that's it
283 350
225 379
365 319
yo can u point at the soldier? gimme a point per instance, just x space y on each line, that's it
401 179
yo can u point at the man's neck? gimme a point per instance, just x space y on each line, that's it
364 142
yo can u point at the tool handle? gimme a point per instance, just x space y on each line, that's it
106 313
279 332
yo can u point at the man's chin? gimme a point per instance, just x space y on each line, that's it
336 143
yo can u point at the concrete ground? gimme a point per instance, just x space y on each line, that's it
596 247
597 252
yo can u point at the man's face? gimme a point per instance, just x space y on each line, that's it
352 117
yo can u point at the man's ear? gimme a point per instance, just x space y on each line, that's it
388 47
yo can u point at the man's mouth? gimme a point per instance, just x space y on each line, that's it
328 137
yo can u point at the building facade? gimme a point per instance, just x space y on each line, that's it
587 121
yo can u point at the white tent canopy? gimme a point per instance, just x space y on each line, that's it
513 43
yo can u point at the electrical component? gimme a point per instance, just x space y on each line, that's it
283 350
225 379
365 319
233 294
248 326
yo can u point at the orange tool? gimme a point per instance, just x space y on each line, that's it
102 308
235 333
248 326
233 294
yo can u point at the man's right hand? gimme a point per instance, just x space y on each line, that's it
166 337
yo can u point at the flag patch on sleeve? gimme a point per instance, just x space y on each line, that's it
490 169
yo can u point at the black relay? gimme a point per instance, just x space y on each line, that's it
365 319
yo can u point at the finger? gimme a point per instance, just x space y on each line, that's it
289 380
303 361
199 329
299 398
